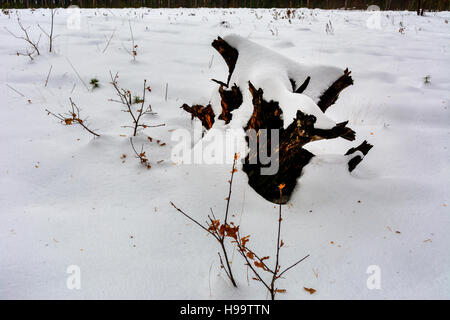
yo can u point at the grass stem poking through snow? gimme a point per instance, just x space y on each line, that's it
167 89
16 91
109 40
72 117
48 76
133 51
78 75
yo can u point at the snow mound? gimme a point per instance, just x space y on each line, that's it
272 72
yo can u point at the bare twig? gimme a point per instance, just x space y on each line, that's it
109 40
126 99
50 34
72 117
27 53
211 62
16 91
279 276
48 75
252 260
167 89
78 75
133 51
249 264
141 155
192 219
220 231
233 170
258 262
26 37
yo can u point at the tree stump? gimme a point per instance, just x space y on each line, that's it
268 114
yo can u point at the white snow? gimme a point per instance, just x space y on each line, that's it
68 199
270 71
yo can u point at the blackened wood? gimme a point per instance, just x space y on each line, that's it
303 86
205 114
231 100
289 154
228 53
330 95
364 148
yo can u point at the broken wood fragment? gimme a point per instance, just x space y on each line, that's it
302 87
290 155
329 96
266 115
204 114
364 148
231 100
228 53
340 130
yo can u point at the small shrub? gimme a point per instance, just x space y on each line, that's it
94 83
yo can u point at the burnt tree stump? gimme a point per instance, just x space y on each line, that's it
292 157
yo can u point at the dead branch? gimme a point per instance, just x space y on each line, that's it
228 53
72 117
26 37
48 75
220 231
302 87
258 263
109 40
230 100
364 148
27 53
204 114
141 155
78 75
15 90
133 51
50 33
330 95
126 99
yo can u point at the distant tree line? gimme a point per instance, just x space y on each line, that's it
413 5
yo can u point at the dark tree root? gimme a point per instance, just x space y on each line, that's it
231 100
228 53
205 114
329 97
364 148
302 87
288 155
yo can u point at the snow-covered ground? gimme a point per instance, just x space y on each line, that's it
68 199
